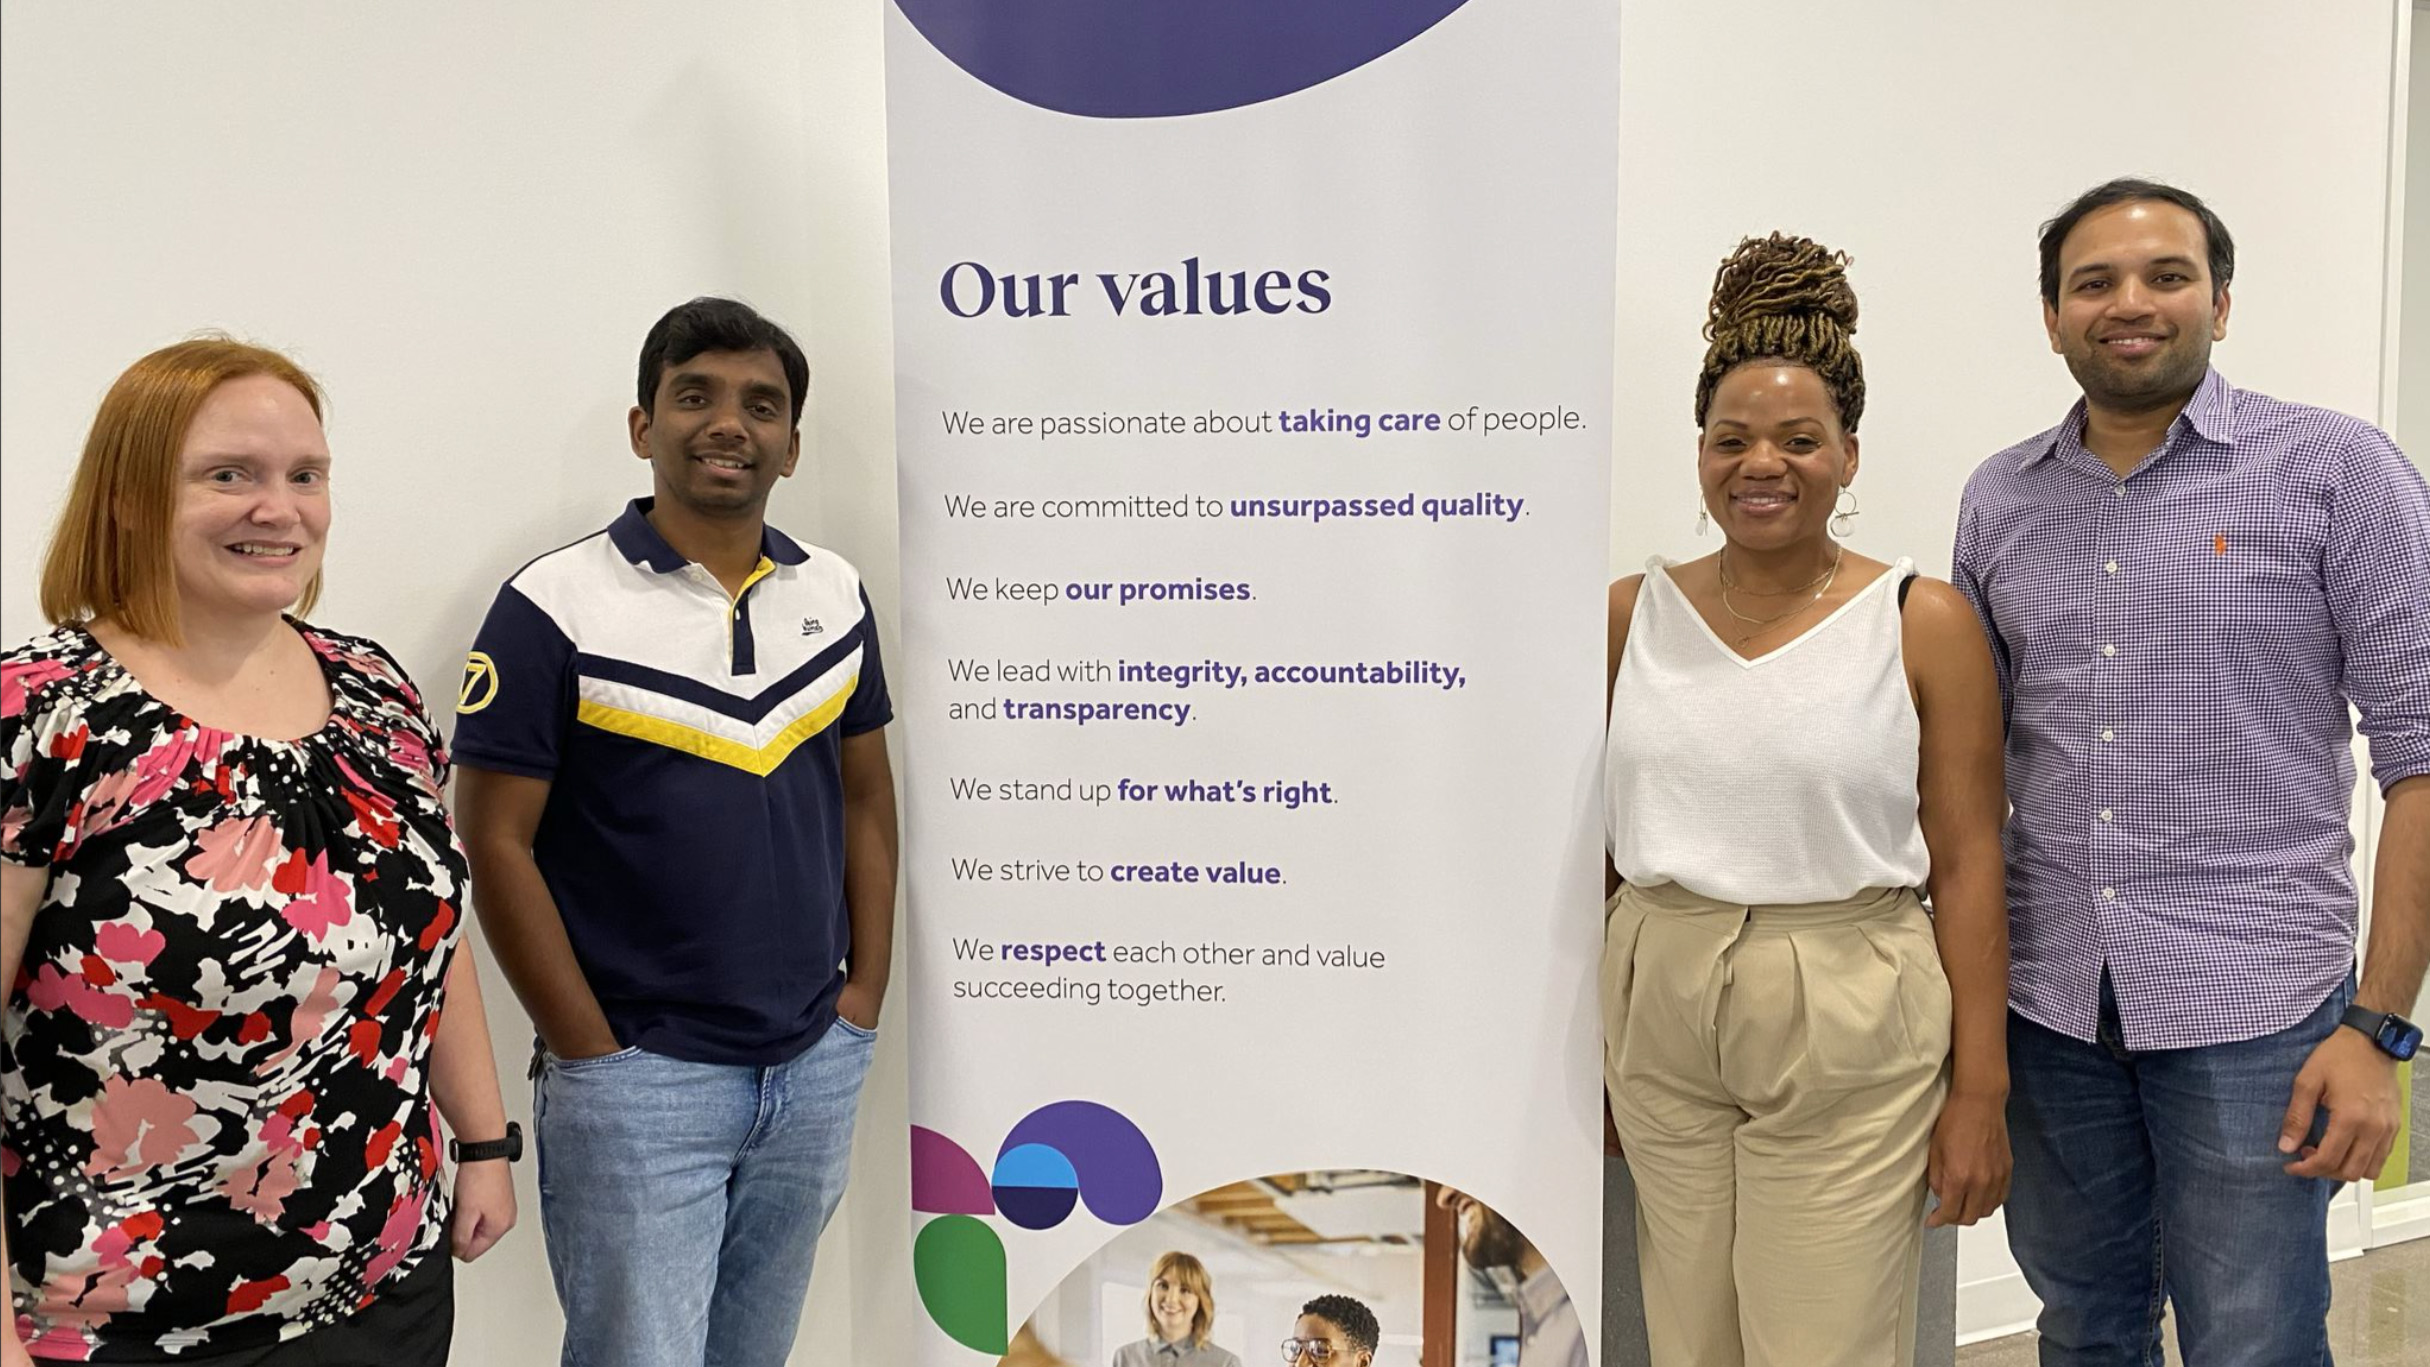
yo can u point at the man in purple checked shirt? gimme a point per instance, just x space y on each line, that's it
2185 585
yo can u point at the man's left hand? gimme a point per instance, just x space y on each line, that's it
859 1002
2357 1083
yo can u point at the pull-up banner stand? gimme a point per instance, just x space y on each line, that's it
1254 418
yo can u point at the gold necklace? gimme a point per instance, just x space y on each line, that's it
1756 625
1722 562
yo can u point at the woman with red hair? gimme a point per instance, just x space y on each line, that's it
230 902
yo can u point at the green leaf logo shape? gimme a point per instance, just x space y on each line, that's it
958 1263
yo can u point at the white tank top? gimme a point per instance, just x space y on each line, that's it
1787 778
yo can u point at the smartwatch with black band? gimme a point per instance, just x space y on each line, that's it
2396 1037
511 1147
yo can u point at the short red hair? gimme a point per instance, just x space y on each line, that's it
110 556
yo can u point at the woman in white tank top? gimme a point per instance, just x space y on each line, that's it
1802 740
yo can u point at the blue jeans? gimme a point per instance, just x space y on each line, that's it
2144 1176
682 1202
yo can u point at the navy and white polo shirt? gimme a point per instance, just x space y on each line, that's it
694 835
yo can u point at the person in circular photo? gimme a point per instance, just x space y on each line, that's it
1180 1318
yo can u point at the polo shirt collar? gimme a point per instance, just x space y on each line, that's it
782 549
641 543
2209 413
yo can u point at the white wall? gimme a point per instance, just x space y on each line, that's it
2413 351
463 216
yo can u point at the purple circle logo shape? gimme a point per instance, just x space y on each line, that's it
1112 1163
1146 59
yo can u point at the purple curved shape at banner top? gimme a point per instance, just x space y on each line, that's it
945 1179
1120 1180
1140 59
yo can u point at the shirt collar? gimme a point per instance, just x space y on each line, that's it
2209 413
782 549
1540 1295
641 543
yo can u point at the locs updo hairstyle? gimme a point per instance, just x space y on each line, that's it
1785 298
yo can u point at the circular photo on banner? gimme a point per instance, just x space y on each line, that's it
1331 1268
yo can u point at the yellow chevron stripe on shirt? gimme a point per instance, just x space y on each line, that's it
761 761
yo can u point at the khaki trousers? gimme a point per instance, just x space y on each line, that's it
1775 1073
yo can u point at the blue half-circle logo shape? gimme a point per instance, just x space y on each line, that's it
1035 1186
1139 59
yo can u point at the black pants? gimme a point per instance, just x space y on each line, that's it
410 1325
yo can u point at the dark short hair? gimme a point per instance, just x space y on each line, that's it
2128 190
1350 1317
712 324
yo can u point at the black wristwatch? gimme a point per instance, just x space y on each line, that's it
2396 1037
511 1147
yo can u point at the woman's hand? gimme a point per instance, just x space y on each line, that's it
464 1081
485 1207
1969 1166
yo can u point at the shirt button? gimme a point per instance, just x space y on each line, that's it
2105 813
2108 650
2110 568
2107 734
2120 491
2109 894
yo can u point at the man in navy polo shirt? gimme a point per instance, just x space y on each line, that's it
674 788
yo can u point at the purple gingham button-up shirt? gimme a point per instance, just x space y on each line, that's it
2176 652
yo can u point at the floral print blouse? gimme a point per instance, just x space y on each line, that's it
215 1064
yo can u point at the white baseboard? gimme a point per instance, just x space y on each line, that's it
2395 1222
2345 1227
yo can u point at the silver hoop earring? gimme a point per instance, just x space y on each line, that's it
1703 519
1846 514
